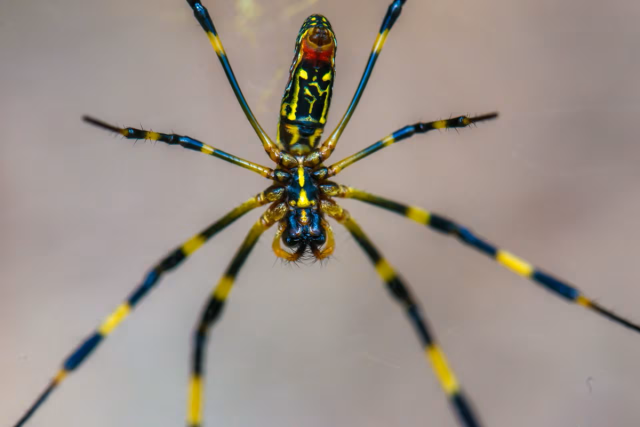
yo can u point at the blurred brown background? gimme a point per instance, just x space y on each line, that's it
555 180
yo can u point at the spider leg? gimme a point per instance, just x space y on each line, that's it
186 142
466 236
389 19
171 261
403 295
214 307
202 15
404 133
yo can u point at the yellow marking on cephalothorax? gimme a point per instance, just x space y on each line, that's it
385 270
304 218
60 376
379 43
387 141
303 201
114 319
301 176
583 301
224 287
447 379
215 42
327 77
514 263
440 124
193 244
418 215
303 74
194 405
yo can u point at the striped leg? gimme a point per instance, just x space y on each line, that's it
507 259
403 295
407 132
170 262
273 150
389 19
214 307
186 142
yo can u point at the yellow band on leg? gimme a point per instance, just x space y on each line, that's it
514 263
194 404
114 320
447 379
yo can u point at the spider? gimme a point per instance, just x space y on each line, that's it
301 200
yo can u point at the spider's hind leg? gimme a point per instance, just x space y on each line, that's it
401 293
170 262
213 310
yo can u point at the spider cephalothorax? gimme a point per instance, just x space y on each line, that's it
303 228
301 196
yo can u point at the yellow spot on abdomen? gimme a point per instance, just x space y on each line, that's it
514 263
440 366
114 319
301 176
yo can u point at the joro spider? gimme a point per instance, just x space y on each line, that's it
300 199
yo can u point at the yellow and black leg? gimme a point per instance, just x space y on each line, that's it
273 150
387 23
186 142
171 261
214 307
407 132
466 236
403 295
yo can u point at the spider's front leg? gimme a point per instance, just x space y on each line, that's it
214 307
186 142
168 263
274 150
401 292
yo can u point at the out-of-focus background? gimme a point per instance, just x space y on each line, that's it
555 180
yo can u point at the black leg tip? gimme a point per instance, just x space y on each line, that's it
100 124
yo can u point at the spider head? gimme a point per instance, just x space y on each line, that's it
303 229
